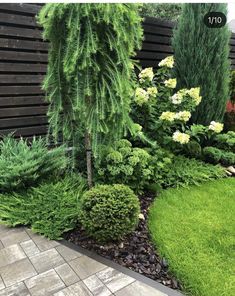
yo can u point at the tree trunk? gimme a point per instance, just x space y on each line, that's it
88 159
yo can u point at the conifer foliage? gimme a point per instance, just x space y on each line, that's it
201 59
88 81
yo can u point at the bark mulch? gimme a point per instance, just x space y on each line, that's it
135 252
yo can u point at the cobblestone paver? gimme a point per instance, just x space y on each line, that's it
31 265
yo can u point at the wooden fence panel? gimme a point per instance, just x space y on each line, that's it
23 64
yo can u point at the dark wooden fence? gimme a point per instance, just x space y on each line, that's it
23 63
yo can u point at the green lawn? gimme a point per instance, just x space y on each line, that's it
194 229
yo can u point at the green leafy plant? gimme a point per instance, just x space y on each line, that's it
50 209
135 167
225 141
166 11
212 154
184 172
227 158
125 164
205 49
109 212
21 165
88 80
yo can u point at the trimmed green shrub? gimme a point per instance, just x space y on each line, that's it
227 158
21 165
50 209
204 49
184 172
226 141
109 212
212 154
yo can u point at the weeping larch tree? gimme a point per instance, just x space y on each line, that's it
88 83
201 59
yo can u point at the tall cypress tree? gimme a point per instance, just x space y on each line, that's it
201 59
88 81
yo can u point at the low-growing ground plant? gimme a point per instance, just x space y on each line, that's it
109 212
49 209
184 172
22 165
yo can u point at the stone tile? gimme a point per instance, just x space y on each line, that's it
96 286
15 290
42 243
114 279
10 255
139 289
14 236
85 266
67 253
78 289
46 260
17 272
2 286
30 248
44 284
1 245
67 274
4 229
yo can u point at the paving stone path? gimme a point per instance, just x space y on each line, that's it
31 265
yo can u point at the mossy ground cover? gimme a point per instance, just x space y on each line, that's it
194 229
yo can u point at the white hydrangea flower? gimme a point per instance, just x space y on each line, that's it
181 138
146 74
171 83
152 91
217 127
141 96
167 62
183 115
168 116
177 98
194 93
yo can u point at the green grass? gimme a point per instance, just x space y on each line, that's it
194 229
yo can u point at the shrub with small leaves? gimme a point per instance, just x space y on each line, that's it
125 164
109 212
226 141
212 154
21 165
49 209
227 158
184 172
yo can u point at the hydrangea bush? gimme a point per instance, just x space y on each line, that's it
164 112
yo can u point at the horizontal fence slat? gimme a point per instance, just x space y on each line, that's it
26 131
26 79
15 19
22 56
149 63
23 44
20 32
157 39
157 30
23 111
20 7
22 121
20 90
151 55
156 47
23 67
24 101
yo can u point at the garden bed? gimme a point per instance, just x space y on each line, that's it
135 252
